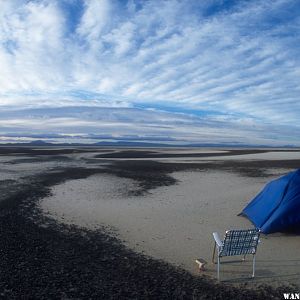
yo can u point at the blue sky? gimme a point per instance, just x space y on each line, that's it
212 71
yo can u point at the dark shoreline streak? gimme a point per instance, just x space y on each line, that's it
156 154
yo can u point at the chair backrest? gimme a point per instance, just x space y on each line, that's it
240 242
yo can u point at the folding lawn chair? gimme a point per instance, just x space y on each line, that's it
237 242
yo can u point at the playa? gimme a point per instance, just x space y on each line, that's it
158 203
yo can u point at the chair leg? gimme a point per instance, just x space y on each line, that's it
213 257
253 271
218 268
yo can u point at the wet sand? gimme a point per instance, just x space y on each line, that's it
166 210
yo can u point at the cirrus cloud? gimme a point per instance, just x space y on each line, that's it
238 59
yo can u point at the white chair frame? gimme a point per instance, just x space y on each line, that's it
236 242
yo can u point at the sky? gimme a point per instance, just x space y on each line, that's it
177 71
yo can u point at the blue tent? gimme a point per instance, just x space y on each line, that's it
277 206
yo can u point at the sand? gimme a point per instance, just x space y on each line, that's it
175 223
161 202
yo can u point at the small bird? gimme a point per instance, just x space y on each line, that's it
201 263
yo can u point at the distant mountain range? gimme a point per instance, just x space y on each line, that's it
39 143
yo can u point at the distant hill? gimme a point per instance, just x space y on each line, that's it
40 143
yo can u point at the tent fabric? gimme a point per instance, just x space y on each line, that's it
277 207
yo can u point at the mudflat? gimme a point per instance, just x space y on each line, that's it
129 223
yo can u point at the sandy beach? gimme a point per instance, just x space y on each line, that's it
175 223
159 205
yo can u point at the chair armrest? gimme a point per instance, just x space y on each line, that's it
217 239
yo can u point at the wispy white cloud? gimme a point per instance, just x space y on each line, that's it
236 57
94 123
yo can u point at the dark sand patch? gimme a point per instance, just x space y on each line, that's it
152 174
171 153
40 151
158 154
37 159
